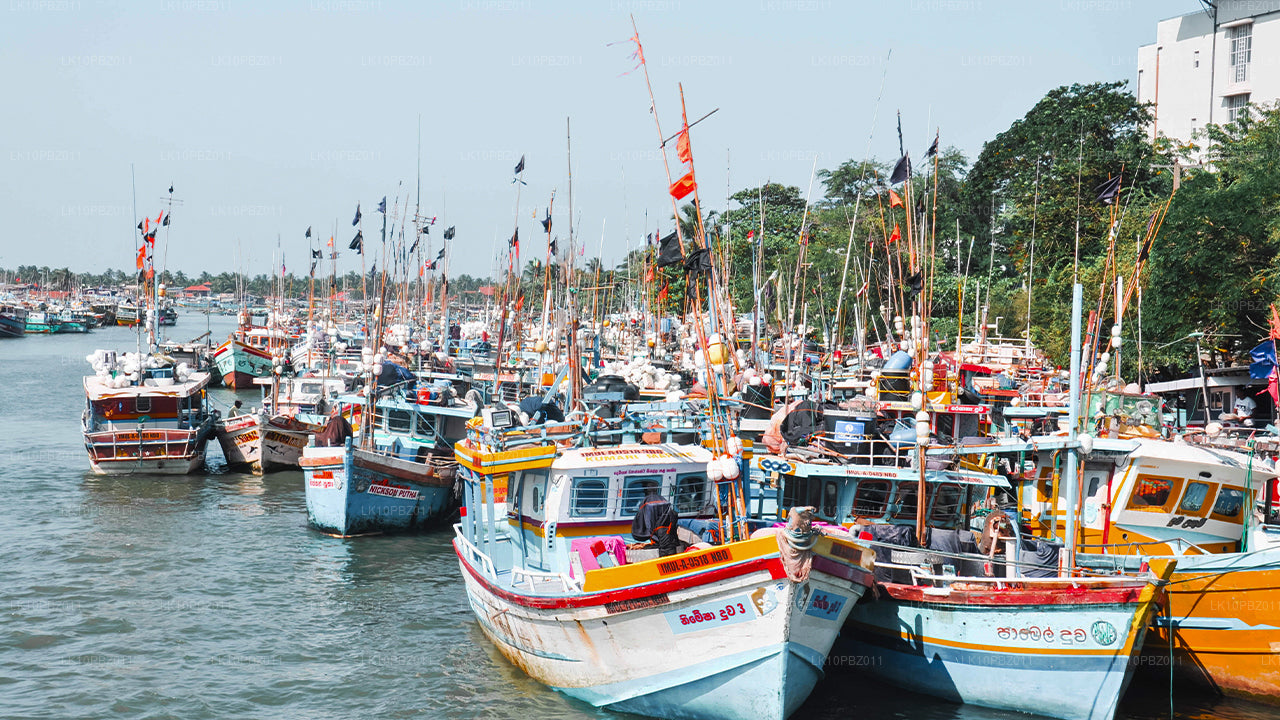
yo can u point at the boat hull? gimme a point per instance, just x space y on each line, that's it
12 325
239 363
152 451
358 492
263 447
1063 655
666 649
1226 629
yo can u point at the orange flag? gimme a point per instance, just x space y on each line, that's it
142 256
520 302
896 236
894 200
682 147
682 187
330 241
662 294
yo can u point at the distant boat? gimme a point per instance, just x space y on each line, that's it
273 438
13 321
239 363
145 417
126 315
42 322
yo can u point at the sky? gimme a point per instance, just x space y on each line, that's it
271 117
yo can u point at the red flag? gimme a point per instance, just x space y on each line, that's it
330 241
422 270
146 224
151 273
520 302
159 218
662 294
896 236
682 147
142 256
894 200
682 187
648 274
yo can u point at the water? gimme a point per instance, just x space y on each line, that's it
207 596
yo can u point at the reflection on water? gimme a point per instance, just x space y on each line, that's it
207 596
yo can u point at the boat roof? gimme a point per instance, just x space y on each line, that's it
97 389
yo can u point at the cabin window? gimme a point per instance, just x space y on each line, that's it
1193 499
423 426
398 421
142 404
799 492
871 498
589 497
310 389
1151 493
905 502
830 492
634 490
691 493
1230 502
947 500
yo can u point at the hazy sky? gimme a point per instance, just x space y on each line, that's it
269 117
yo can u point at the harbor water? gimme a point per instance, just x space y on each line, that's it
207 596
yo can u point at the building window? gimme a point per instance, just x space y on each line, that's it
1236 106
1241 37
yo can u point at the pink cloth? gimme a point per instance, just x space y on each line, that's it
583 547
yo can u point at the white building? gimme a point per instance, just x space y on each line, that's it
1205 66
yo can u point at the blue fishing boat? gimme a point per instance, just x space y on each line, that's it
13 321
398 474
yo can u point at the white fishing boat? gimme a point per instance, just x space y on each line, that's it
274 437
737 630
145 415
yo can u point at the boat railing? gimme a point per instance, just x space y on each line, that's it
474 554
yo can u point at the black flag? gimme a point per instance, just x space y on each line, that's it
170 189
669 251
313 268
520 166
357 242
316 254
308 231
448 234
1108 190
414 246
440 254
698 262
515 239
382 206
546 222
166 220
139 226
933 149
356 221
553 247
901 170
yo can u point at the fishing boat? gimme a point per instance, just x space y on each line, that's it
13 321
725 630
71 321
1058 647
272 439
399 475
145 415
42 322
239 363
127 314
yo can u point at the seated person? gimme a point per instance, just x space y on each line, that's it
336 431
655 522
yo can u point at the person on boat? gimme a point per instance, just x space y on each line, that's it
655 522
336 431
1244 408
237 408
